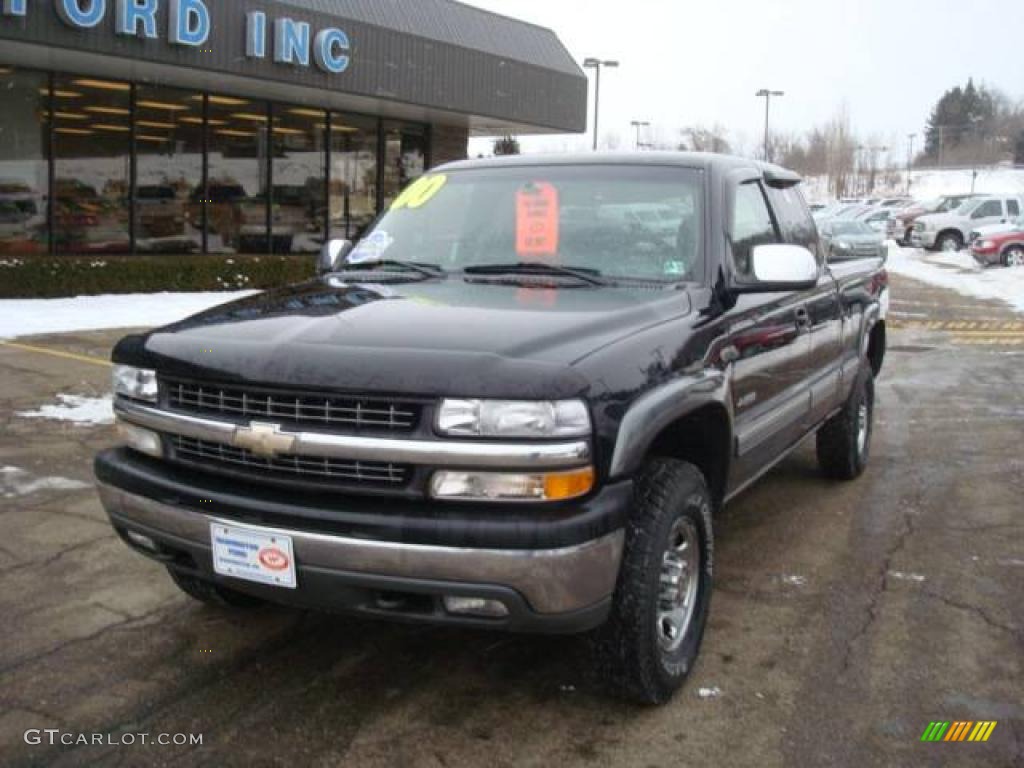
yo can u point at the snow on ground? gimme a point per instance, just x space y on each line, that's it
929 183
26 317
15 481
76 409
959 272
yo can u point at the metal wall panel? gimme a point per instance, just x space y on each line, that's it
385 63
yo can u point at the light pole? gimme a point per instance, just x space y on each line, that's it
767 94
638 124
596 65
910 156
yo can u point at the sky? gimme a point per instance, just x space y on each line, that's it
686 62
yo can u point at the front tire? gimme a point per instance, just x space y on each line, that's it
844 441
1013 256
949 242
649 644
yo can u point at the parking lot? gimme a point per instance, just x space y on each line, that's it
845 618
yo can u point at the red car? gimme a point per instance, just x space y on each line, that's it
1006 248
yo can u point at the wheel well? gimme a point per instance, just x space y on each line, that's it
702 438
876 347
951 231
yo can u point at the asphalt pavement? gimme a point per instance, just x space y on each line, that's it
845 618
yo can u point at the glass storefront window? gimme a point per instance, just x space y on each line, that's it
23 162
92 161
299 196
91 125
405 153
169 170
353 192
236 194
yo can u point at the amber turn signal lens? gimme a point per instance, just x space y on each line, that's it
568 485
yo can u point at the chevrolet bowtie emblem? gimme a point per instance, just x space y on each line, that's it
263 439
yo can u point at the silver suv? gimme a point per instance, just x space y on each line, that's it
950 231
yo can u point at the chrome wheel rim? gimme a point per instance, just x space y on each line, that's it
1015 258
678 582
949 245
862 428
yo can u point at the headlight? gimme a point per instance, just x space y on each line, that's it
513 418
511 486
842 245
986 244
136 383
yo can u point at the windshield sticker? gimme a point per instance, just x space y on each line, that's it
420 192
370 248
675 268
537 220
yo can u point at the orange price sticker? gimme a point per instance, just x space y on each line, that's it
537 220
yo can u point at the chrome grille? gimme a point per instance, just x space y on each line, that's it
341 471
354 413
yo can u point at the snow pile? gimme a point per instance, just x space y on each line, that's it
76 409
15 481
26 317
959 272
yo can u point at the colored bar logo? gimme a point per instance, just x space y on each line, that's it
959 730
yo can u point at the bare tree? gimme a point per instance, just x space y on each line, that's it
697 138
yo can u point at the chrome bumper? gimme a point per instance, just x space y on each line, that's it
552 581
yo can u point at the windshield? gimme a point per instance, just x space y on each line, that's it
620 221
851 228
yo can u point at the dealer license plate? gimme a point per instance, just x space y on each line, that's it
253 554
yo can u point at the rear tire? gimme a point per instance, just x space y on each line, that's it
1013 256
212 594
844 441
648 646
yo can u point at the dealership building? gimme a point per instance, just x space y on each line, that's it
250 126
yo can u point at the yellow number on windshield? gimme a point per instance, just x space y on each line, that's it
420 192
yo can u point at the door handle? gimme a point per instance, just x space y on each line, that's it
803 318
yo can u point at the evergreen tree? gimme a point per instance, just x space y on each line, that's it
962 116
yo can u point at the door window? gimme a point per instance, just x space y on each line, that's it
751 225
1012 207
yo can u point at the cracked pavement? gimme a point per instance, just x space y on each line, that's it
845 617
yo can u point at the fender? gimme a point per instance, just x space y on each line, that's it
654 410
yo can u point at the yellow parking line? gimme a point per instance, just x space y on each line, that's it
57 353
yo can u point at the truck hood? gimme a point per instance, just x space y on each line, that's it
439 337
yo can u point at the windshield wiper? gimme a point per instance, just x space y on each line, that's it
592 276
427 270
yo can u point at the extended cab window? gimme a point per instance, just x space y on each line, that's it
988 208
751 225
623 222
1012 207
795 220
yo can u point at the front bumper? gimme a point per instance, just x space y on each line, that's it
923 238
558 577
986 258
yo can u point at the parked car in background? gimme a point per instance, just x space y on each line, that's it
894 202
844 239
904 229
877 218
160 213
1006 248
950 231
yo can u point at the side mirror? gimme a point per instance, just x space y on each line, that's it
780 267
332 254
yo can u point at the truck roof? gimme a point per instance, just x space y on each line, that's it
705 161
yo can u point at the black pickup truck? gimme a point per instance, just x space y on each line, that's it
517 402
